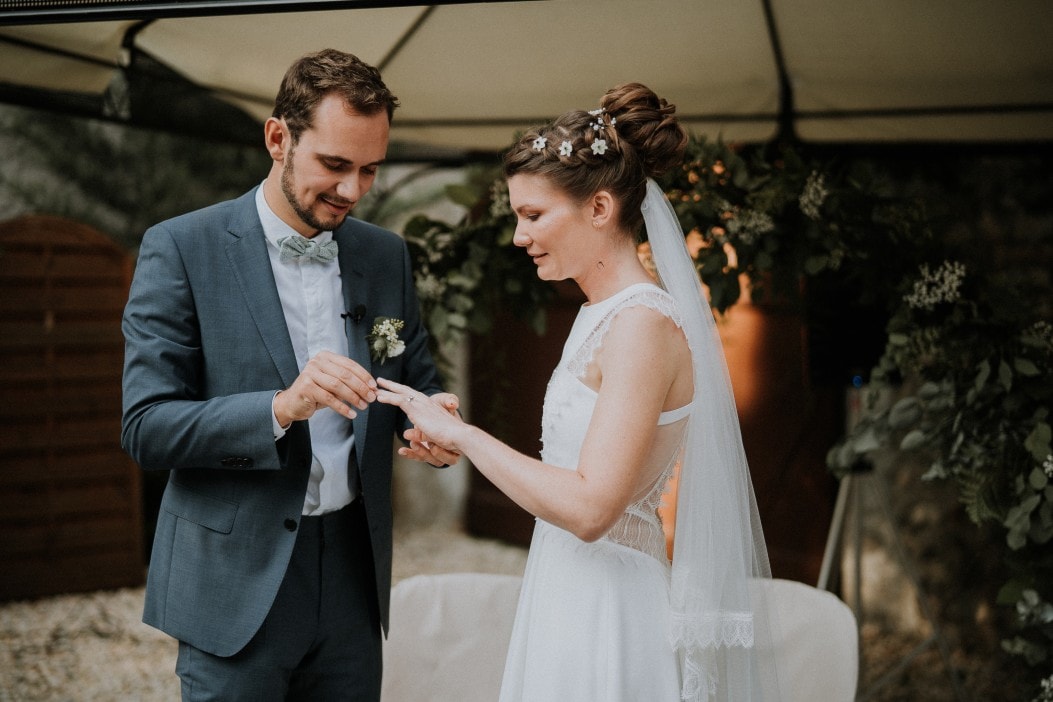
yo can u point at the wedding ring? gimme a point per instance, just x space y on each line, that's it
411 399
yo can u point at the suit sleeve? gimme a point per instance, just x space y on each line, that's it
171 418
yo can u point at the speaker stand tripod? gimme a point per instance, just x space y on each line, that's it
851 488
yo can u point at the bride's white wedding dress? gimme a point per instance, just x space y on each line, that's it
593 621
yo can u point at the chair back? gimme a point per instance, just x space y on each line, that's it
448 637
814 638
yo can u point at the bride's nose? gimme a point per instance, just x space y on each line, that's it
521 238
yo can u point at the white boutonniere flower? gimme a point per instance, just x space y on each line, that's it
384 341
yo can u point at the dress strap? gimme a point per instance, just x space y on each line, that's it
675 415
647 296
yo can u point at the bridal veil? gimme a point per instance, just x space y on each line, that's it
718 543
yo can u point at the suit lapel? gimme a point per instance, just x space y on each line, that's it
356 296
251 267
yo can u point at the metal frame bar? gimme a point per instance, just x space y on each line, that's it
15 12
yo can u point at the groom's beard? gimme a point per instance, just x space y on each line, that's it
302 210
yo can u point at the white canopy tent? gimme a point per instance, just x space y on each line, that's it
469 74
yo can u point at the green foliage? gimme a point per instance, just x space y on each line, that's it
466 272
779 218
964 338
973 372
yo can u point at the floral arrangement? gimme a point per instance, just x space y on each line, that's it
973 381
384 341
775 219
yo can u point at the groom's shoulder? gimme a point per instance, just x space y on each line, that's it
372 236
219 214
360 227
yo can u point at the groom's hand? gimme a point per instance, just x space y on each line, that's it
422 448
328 380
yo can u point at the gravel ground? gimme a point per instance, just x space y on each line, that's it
93 647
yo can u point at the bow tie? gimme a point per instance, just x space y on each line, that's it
294 247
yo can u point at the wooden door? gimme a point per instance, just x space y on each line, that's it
70 505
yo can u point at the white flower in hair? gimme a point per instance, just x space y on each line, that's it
599 147
539 143
598 114
566 148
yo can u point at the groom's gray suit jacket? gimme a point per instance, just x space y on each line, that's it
206 349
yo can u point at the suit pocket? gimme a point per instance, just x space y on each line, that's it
209 512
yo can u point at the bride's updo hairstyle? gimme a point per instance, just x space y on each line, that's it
633 136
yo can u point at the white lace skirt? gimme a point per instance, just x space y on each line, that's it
592 625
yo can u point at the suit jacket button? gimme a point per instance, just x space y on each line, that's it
290 524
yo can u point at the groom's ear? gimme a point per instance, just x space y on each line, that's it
277 138
603 209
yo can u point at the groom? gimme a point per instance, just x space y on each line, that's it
249 378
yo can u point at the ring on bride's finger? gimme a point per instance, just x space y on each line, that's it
411 399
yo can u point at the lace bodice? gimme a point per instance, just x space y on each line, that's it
569 405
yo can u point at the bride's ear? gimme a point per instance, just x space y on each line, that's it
603 209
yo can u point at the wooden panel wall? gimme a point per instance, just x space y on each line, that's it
70 505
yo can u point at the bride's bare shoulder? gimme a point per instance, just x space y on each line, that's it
643 330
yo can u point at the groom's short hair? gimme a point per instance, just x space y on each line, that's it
316 75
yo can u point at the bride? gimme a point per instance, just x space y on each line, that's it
640 393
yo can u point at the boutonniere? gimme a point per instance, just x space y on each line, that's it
384 341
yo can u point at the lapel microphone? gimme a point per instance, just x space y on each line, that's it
355 316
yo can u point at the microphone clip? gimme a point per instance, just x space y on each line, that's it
356 315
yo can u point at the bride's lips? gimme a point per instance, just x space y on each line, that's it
537 257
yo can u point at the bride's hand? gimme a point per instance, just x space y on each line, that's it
437 425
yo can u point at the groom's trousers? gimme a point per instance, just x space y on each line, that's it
321 640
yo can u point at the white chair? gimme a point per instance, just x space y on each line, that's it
448 637
815 639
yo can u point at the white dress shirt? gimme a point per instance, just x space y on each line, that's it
313 300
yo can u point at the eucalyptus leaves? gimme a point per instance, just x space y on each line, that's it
973 382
